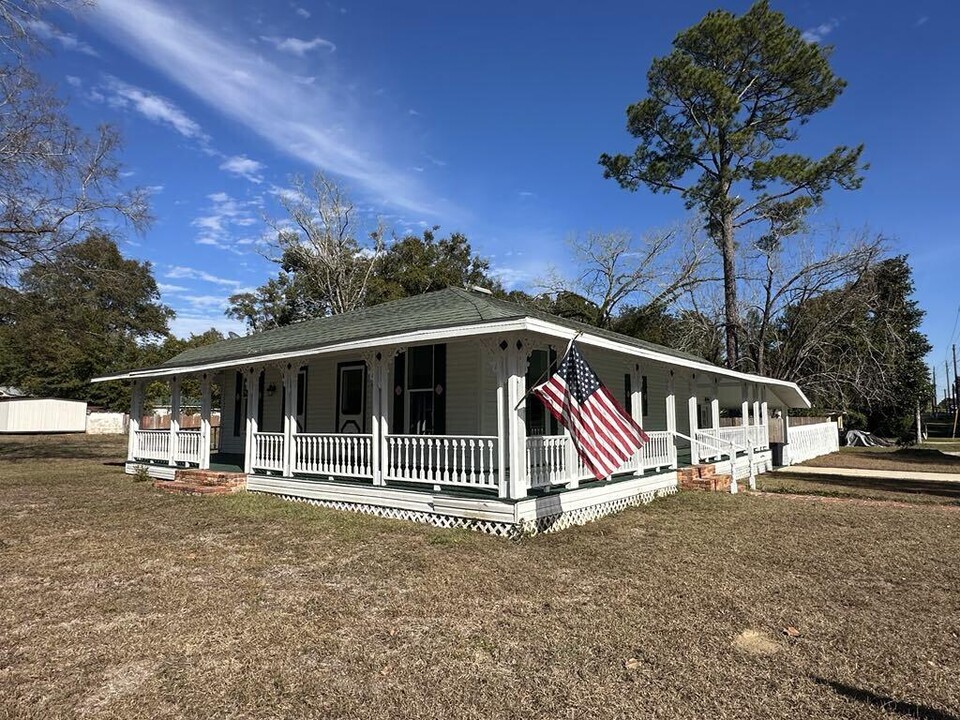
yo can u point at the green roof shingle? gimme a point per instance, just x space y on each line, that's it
452 307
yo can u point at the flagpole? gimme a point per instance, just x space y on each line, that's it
546 372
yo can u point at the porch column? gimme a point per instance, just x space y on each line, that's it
503 439
386 387
636 394
252 378
636 408
756 414
744 413
174 419
205 422
377 418
715 407
694 421
516 418
290 373
765 417
136 411
671 408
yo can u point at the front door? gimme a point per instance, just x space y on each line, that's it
351 397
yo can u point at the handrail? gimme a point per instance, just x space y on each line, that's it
732 454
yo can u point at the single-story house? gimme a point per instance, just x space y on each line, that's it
418 409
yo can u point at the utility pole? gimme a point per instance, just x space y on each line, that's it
947 385
956 387
933 372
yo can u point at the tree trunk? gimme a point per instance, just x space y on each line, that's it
731 321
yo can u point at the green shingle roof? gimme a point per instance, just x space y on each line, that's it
448 308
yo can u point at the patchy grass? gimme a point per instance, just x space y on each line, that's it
920 459
118 601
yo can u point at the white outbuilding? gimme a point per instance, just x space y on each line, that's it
42 415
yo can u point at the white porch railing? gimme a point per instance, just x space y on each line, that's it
344 454
741 436
810 441
460 460
548 464
152 445
659 451
189 443
268 451
549 461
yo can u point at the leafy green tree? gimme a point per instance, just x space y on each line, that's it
859 348
85 312
410 266
719 111
280 301
415 264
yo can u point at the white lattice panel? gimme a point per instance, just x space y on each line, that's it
552 523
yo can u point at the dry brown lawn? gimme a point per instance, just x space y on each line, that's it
117 601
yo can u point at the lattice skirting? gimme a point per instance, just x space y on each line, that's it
548 524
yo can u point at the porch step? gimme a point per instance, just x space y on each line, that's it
190 481
209 477
705 478
186 488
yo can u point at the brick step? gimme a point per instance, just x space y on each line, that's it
706 481
189 488
208 477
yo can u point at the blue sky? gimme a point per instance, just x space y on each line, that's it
482 118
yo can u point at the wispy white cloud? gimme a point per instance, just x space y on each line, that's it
171 288
298 47
526 193
922 20
46 31
226 221
74 81
182 272
158 109
322 124
244 167
301 11
819 33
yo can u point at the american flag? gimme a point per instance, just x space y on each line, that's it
602 431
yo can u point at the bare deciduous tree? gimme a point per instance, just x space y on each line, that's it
778 277
57 183
614 270
318 242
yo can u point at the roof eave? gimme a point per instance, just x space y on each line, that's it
519 324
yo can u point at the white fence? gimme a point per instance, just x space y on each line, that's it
347 455
460 460
810 441
152 445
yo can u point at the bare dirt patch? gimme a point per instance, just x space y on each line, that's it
117 601
923 459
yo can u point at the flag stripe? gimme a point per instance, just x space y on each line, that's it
575 422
